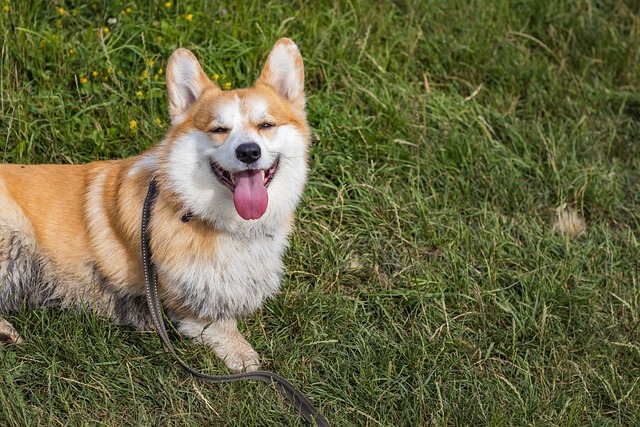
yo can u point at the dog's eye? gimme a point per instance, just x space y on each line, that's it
219 130
265 125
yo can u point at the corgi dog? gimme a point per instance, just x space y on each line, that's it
230 173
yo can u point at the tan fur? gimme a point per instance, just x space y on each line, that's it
70 234
53 220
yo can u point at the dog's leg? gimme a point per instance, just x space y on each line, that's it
227 342
8 334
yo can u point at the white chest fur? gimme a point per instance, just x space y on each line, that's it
244 272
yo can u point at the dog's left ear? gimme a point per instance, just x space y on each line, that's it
186 81
284 72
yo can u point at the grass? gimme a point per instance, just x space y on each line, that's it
425 283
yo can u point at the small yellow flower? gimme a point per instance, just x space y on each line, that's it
43 43
188 17
160 71
54 37
167 4
159 38
94 6
159 122
95 74
83 80
133 125
109 70
144 74
105 30
139 94
215 77
61 11
5 8
71 51
58 22
128 10
227 85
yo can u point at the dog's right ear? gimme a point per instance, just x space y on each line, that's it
186 81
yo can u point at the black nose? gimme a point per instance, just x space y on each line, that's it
248 152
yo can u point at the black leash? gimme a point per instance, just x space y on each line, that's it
293 395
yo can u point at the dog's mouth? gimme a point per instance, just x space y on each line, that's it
249 188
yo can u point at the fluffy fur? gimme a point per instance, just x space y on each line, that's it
69 234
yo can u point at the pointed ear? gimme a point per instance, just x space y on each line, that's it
284 72
186 81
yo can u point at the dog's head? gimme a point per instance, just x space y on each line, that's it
241 154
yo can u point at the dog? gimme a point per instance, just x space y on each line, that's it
230 173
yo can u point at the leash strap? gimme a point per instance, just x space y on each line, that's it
298 400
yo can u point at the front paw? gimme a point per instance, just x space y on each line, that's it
226 341
239 357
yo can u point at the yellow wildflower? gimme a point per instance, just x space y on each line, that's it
61 11
188 17
139 94
167 4
160 71
144 74
5 8
71 51
159 38
83 80
133 125
215 77
128 10
105 30
95 74
227 85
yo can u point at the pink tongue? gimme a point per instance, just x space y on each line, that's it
250 196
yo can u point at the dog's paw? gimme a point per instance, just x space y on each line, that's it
226 341
239 357
8 334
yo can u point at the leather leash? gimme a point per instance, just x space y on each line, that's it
284 387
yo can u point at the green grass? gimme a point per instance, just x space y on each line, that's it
425 285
